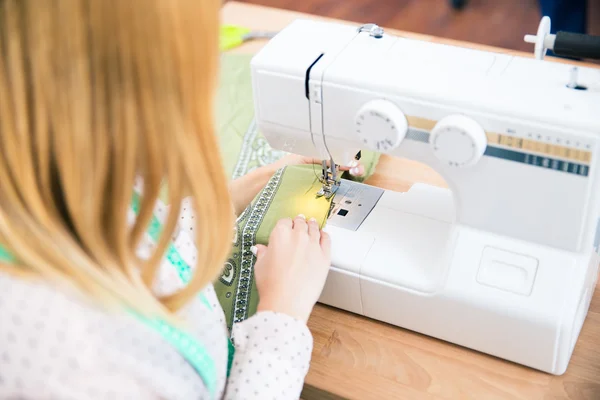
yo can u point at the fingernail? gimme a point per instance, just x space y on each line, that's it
313 219
353 164
254 250
302 216
354 171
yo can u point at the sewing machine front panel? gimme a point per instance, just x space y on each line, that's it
529 192
535 178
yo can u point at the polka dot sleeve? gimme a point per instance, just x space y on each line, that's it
272 357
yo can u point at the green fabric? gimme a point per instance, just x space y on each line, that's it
291 191
242 146
294 194
244 149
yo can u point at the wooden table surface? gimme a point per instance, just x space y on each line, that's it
358 358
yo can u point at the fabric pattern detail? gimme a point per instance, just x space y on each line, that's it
255 217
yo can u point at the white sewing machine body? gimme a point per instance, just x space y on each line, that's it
504 261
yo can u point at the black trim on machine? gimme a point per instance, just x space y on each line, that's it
307 77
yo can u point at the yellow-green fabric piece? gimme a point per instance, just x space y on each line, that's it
232 36
295 195
290 192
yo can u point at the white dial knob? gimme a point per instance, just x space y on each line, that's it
458 141
381 125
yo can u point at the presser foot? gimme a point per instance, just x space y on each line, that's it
328 191
329 180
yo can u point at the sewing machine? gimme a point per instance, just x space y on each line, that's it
505 260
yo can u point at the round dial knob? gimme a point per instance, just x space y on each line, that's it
458 141
381 125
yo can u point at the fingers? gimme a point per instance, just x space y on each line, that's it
285 223
300 224
259 250
348 167
354 167
282 229
326 243
313 230
358 170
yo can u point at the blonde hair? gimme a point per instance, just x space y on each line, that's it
94 94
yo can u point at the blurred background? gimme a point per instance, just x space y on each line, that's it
501 23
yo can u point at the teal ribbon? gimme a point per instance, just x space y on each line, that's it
5 256
182 268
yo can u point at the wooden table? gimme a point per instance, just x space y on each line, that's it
358 358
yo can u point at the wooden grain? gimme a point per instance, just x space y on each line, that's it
265 18
496 23
359 358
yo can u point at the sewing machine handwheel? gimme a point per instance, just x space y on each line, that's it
458 141
381 125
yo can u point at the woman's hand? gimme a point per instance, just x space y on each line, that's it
244 189
290 273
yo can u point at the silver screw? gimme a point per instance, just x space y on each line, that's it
373 30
